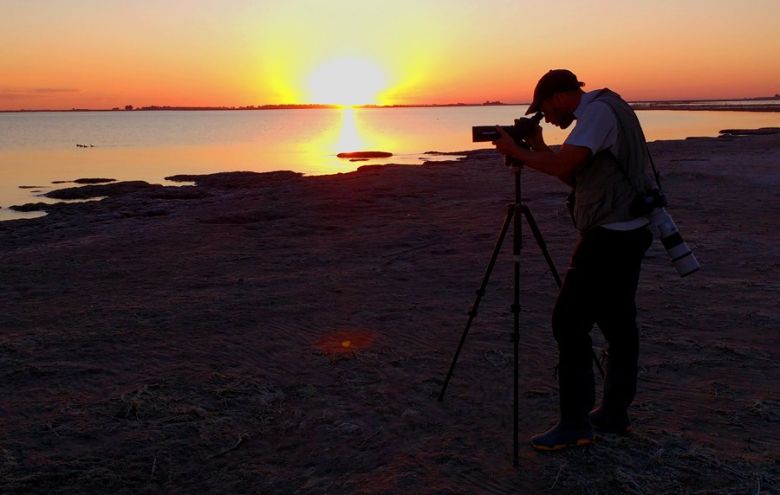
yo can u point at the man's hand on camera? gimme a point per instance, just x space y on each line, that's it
535 140
506 145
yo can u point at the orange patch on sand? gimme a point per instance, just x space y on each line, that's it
341 341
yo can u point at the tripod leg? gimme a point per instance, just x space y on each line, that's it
516 339
543 247
481 292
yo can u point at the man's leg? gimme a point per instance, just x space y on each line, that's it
572 320
620 381
617 320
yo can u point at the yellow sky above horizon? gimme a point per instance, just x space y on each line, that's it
110 53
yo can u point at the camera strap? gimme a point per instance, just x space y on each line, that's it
656 176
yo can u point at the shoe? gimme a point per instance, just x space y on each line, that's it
558 438
606 422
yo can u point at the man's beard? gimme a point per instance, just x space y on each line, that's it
566 122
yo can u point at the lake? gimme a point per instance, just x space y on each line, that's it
38 148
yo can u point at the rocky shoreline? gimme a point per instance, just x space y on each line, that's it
276 333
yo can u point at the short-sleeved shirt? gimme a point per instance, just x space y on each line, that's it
596 127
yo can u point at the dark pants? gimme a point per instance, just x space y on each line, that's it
600 287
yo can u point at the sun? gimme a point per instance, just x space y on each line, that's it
347 81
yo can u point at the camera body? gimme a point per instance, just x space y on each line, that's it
521 128
484 133
653 206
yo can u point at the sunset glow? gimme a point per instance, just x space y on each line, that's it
347 81
107 54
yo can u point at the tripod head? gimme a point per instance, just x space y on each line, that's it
514 162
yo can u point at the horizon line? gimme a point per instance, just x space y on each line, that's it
318 106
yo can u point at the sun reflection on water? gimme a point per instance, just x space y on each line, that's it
355 135
349 138
347 134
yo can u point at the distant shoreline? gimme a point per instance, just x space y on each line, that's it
257 108
709 105
712 107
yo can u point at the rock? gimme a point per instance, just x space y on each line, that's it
178 192
365 154
94 191
238 179
27 207
93 181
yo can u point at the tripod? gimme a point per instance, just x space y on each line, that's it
514 211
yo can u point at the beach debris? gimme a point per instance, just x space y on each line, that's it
154 469
348 428
557 476
241 439
340 345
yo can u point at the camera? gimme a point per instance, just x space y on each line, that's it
518 131
682 257
653 206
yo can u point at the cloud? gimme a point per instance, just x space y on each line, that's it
18 94
55 90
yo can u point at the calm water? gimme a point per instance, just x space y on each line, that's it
38 148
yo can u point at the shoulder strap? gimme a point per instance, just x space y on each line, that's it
617 159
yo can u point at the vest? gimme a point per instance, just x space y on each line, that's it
605 187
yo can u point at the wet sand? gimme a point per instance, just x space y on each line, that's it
273 333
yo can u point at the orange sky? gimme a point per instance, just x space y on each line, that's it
111 53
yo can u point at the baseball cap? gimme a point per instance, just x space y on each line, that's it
555 81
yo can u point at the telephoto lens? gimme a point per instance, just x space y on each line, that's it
682 257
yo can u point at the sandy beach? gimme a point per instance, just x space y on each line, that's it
275 333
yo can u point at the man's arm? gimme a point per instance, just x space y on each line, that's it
561 164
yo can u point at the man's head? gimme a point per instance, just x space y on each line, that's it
557 95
